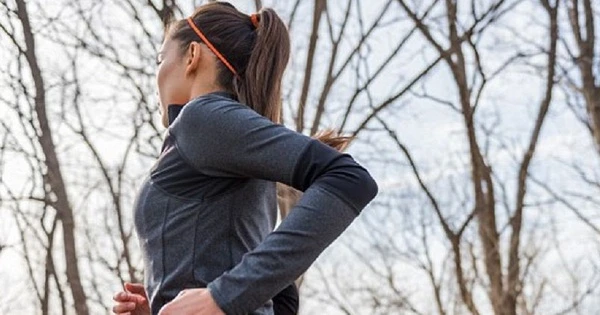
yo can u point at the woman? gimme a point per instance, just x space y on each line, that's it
205 214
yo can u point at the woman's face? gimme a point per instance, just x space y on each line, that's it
173 87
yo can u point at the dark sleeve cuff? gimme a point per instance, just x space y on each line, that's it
287 301
337 172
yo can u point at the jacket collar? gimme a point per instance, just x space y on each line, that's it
173 110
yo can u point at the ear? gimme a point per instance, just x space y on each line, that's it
193 58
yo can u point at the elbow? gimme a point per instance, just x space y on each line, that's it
367 186
370 186
351 182
364 188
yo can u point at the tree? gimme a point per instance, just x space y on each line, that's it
55 192
474 215
584 54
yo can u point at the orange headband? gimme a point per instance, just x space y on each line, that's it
210 46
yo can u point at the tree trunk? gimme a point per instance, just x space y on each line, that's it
53 178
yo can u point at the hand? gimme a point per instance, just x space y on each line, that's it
132 301
192 302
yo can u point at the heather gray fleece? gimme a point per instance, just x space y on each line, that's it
205 214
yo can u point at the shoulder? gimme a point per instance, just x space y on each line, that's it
216 118
215 106
216 113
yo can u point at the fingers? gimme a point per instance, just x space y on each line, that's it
128 297
137 288
122 308
134 287
128 300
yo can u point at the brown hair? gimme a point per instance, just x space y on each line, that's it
259 53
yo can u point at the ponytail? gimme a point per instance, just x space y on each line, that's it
333 139
260 85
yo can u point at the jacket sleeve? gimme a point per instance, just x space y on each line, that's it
225 138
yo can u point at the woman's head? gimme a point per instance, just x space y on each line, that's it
253 57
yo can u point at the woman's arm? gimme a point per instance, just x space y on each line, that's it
224 138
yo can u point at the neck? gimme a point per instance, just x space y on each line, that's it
203 89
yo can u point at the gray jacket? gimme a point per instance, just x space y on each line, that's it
205 214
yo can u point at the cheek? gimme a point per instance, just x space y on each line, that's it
169 82
164 83
161 78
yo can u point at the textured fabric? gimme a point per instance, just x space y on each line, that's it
287 301
205 214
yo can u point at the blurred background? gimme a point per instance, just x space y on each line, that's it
479 119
